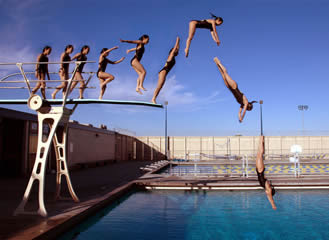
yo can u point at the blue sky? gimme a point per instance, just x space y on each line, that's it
276 50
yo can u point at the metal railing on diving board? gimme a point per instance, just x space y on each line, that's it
82 101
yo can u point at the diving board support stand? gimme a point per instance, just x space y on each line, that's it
51 116
61 163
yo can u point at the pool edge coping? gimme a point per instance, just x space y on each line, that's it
233 188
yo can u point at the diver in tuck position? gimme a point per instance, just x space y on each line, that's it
260 169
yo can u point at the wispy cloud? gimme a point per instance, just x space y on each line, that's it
15 54
17 9
176 93
12 54
180 97
16 16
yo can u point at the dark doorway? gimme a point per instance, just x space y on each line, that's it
11 147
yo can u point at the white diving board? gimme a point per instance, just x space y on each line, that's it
82 101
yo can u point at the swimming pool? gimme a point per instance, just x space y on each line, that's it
211 215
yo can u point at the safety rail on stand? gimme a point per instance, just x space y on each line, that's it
199 159
295 159
245 165
296 150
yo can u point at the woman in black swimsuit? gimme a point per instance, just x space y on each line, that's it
165 70
233 87
209 24
64 70
135 61
260 169
81 56
41 71
104 77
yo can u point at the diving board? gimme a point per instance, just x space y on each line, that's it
82 101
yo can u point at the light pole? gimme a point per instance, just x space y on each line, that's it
261 117
166 136
302 108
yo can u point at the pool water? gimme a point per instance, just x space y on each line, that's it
212 215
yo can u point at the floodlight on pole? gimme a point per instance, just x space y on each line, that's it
302 108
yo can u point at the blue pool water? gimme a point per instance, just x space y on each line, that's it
212 215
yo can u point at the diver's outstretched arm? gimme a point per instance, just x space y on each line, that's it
118 61
132 41
268 191
108 51
214 33
48 74
172 53
132 49
75 56
245 102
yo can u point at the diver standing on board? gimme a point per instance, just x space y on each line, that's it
135 61
103 76
209 24
165 70
81 56
64 70
233 87
41 71
260 169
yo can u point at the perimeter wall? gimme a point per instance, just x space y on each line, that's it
87 145
184 147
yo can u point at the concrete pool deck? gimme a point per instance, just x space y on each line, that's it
92 185
97 187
